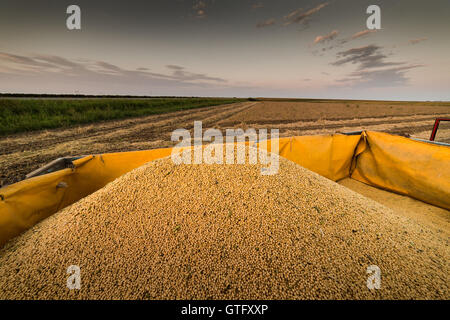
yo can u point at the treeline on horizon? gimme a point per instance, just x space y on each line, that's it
317 100
69 95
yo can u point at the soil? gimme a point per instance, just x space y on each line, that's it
22 153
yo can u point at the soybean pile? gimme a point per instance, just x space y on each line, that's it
166 231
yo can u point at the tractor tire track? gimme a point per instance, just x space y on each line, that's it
23 153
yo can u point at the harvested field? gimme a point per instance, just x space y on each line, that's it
282 112
225 232
324 117
22 153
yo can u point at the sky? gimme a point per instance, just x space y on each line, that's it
242 48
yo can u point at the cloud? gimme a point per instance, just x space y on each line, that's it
328 37
109 67
199 8
292 14
257 5
301 17
416 41
60 69
179 74
373 70
389 77
38 61
367 57
362 34
174 67
267 23
357 35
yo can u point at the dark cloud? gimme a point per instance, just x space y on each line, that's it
333 46
341 42
109 67
181 75
389 77
293 14
57 60
297 16
373 70
267 23
28 63
48 66
367 57
302 17
174 67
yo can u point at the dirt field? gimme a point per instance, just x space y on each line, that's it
305 118
23 153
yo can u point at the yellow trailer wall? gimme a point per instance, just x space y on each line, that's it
398 164
25 203
417 169
330 155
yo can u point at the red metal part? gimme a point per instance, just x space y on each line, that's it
436 126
